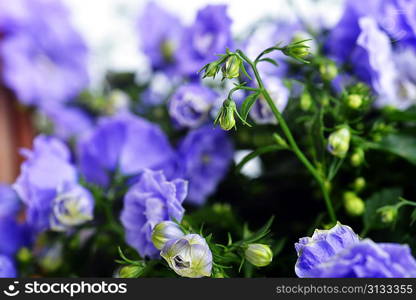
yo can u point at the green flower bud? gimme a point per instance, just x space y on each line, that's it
359 184
131 271
305 101
165 231
24 255
211 69
354 101
388 213
353 204
259 255
298 50
231 69
328 70
357 158
226 115
339 142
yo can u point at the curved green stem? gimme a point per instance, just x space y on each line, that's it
295 148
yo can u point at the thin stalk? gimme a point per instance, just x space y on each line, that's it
295 148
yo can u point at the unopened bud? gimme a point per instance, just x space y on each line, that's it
354 101
165 231
231 69
359 184
388 213
339 142
357 158
305 101
259 255
353 204
226 115
131 271
328 70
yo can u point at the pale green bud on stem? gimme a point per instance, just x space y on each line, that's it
388 213
353 204
328 70
339 142
231 68
259 255
354 101
225 116
131 271
357 158
305 101
359 184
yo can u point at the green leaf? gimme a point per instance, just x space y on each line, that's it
248 104
269 60
403 145
382 198
413 217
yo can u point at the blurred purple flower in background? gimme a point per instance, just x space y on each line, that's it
124 143
148 202
72 206
364 38
160 34
208 36
14 234
339 252
205 155
46 169
7 267
190 104
43 57
68 121
261 112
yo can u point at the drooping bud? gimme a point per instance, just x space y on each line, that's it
231 68
339 142
165 231
259 255
353 204
357 158
188 256
226 115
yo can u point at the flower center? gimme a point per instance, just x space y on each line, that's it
180 263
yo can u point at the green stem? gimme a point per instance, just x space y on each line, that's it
295 148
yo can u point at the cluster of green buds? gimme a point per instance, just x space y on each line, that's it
339 141
297 50
353 204
229 63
